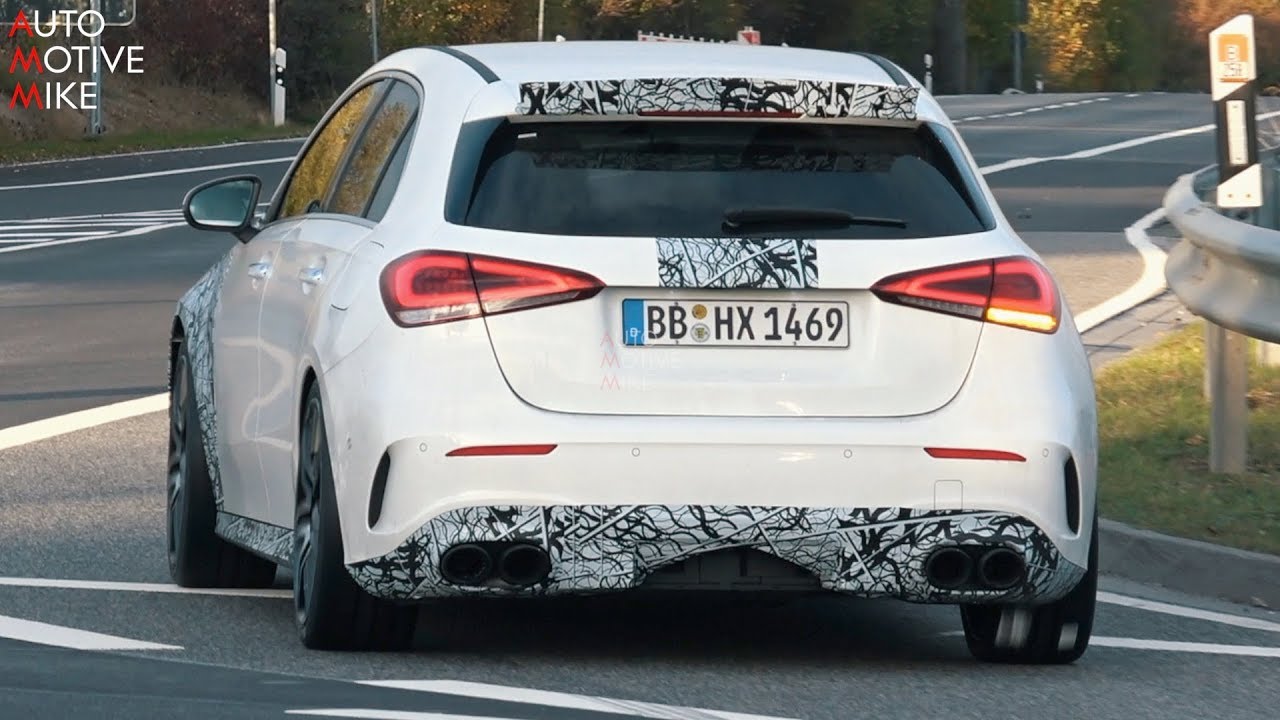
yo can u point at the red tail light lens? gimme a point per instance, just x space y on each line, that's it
431 287
1014 291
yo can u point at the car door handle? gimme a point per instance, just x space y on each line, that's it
311 275
260 270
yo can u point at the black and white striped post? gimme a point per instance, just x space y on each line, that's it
1233 64
1233 59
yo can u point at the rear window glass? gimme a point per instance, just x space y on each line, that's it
675 178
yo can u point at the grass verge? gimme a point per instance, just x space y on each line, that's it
63 149
1153 424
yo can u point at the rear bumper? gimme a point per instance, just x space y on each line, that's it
868 552
403 400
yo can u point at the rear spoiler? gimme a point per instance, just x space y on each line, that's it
720 97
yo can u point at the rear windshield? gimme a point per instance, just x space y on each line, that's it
668 178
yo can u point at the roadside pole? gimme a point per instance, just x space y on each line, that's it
277 112
1233 63
95 114
1017 43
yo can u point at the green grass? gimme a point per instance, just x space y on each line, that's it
112 144
1153 425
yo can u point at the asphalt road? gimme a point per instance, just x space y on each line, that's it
84 323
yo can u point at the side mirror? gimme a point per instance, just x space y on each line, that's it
225 205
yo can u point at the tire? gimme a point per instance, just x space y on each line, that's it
197 556
331 612
1048 624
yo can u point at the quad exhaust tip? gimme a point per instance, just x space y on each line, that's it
474 564
523 565
954 568
1001 568
466 564
948 568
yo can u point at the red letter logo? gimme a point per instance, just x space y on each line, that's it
32 56
21 22
19 93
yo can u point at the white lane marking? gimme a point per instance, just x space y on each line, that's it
52 427
113 586
1041 108
67 637
1169 646
142 176
563 700
145 215
69 241
1189 612
40 231
141 153
1132 95
1186 647
6 235
1148 285
29 225
369 714
1106 149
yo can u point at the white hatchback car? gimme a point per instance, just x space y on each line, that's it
531 319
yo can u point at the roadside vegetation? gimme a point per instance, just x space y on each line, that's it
111 144
1154 433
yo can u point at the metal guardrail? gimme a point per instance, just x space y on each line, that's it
1226 269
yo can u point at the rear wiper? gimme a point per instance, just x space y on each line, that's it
801 218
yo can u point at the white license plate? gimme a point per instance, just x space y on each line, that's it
734 323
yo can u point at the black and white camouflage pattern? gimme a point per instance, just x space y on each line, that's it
870 552
758 263
195 310
638 96
270 540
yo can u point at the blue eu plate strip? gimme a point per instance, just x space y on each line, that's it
632 322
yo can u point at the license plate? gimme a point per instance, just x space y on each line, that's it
722 323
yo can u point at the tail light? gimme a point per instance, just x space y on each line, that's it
1013 291
431 287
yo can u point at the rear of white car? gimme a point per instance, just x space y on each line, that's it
696 331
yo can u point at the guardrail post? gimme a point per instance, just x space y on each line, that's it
1226 355
1211 358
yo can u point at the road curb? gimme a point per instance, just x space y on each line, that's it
1189 566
